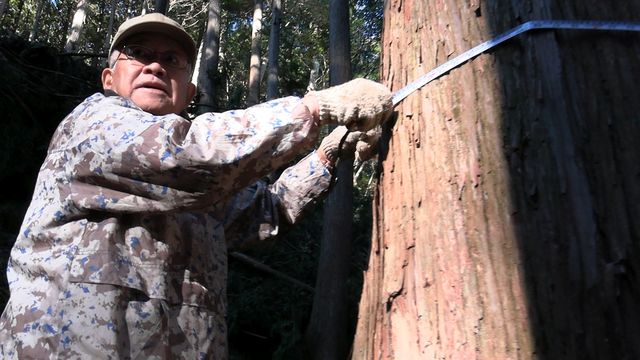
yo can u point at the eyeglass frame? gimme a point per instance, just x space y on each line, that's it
156 57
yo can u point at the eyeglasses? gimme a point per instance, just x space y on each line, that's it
145 56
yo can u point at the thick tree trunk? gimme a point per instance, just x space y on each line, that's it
274 49
255 62
505 219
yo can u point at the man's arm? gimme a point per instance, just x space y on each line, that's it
122 159
260 211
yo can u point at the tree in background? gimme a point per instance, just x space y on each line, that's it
329 312
161 6
505 220
76 25
35 27
109 32
3 7
274 49
255 62
208 72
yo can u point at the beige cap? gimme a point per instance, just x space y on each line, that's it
155 23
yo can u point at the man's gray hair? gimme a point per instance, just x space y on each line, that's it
113 57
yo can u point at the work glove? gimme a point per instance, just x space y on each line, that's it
359 104
363 143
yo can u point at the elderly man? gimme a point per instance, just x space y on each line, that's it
123 250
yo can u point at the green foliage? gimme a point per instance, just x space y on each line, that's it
366 27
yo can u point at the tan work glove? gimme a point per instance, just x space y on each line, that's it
363 143
359 104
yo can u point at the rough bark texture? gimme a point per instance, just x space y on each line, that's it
505 216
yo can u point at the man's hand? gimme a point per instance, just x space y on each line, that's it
359 104
360 142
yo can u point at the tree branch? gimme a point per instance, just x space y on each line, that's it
262 267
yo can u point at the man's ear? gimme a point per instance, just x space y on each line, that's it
191 92
107 79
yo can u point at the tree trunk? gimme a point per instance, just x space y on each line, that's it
109 34
329 314
33 35
505 219
254 64
161 6
76 26
3 8
208 72
274 50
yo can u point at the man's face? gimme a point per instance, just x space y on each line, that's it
153 86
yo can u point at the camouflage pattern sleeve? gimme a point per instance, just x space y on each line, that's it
259 211
122 159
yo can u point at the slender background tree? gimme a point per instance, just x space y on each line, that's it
329 312
255 62
274 49
208 72
76 25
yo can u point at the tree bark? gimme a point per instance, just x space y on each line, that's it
208 72
254 64
329 314
505 218
76 26
274 50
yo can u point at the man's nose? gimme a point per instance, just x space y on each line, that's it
155 68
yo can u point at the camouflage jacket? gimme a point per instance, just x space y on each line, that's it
123 250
